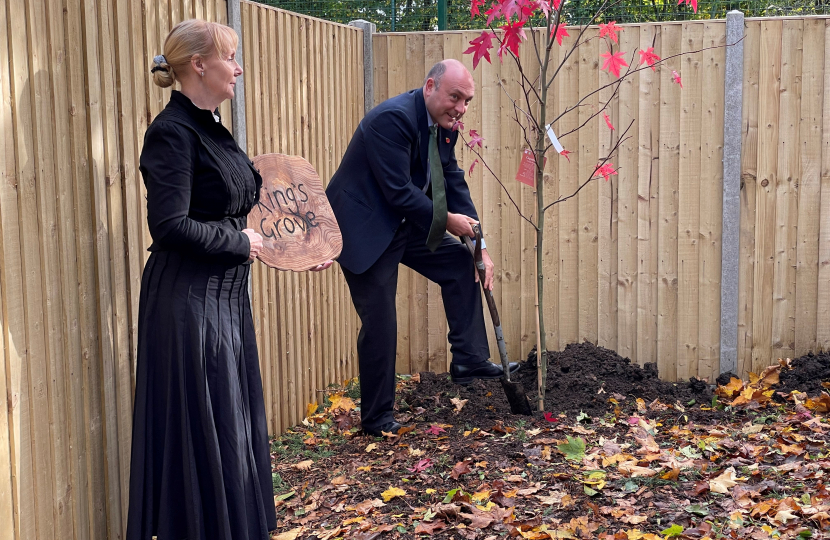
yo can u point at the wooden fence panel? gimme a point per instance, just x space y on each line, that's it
76 98
305 323
634 264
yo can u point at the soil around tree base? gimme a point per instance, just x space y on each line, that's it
581 379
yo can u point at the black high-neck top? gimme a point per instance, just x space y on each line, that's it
200 184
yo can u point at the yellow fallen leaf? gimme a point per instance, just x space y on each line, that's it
289 535
310 409
634 520
371 447
303 465
724 481
641 405
391 493
357 519
367 468
339 401
430 491
634 534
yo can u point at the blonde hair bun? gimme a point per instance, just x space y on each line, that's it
186 40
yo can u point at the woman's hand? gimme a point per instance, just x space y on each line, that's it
256 243
321 267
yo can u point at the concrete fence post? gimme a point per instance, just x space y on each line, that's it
238 101
733 101
368 63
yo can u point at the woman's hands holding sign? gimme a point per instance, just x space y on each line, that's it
256 242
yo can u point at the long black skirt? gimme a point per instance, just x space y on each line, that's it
201 467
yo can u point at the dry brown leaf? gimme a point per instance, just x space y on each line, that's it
430 527
303 465
458 403
724 481
634 520
462 467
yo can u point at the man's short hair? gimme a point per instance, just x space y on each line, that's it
436 72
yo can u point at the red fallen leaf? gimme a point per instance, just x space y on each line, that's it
475 139
434 430
565 154
611 30
613 62
608 122
648 57
514 33
473 165
462 467
676 76
692 3
480 47
549 415
458 126
561 32
422 465
605 170
699 488
474 8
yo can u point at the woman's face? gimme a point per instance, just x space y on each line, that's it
220 75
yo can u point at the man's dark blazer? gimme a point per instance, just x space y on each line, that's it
381 178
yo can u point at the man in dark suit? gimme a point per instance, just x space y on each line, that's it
396 195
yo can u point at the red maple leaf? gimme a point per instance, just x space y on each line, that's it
561 32
480 47
676 77
648 57
611 30
605 171
608 121
514 33
434 430
613 62
458 125
550 418
474 8
565 153
422 465
475 139
692 3
509 8
472 166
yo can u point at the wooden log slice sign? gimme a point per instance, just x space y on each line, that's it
293 215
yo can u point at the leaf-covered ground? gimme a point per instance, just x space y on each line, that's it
618 455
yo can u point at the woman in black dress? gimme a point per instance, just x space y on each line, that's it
200 465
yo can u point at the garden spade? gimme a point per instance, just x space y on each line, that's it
519 403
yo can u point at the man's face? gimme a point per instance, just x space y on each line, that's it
448 102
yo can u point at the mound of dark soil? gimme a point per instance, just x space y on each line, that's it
806 374
581 378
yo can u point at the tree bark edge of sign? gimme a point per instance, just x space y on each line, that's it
293 215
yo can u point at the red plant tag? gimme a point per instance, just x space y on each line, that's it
527 168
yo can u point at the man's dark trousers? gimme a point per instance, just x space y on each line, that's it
373 294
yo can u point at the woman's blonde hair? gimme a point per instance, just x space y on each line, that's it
189 38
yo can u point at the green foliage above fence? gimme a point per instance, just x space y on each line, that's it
422 15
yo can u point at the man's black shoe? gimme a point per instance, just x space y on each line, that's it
467 373
389 427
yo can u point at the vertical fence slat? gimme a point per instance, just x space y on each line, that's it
648 180
823 310
768 121
667 238
749 179
809 188
711 200
589 55
786 192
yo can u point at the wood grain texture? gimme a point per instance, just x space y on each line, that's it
293 215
